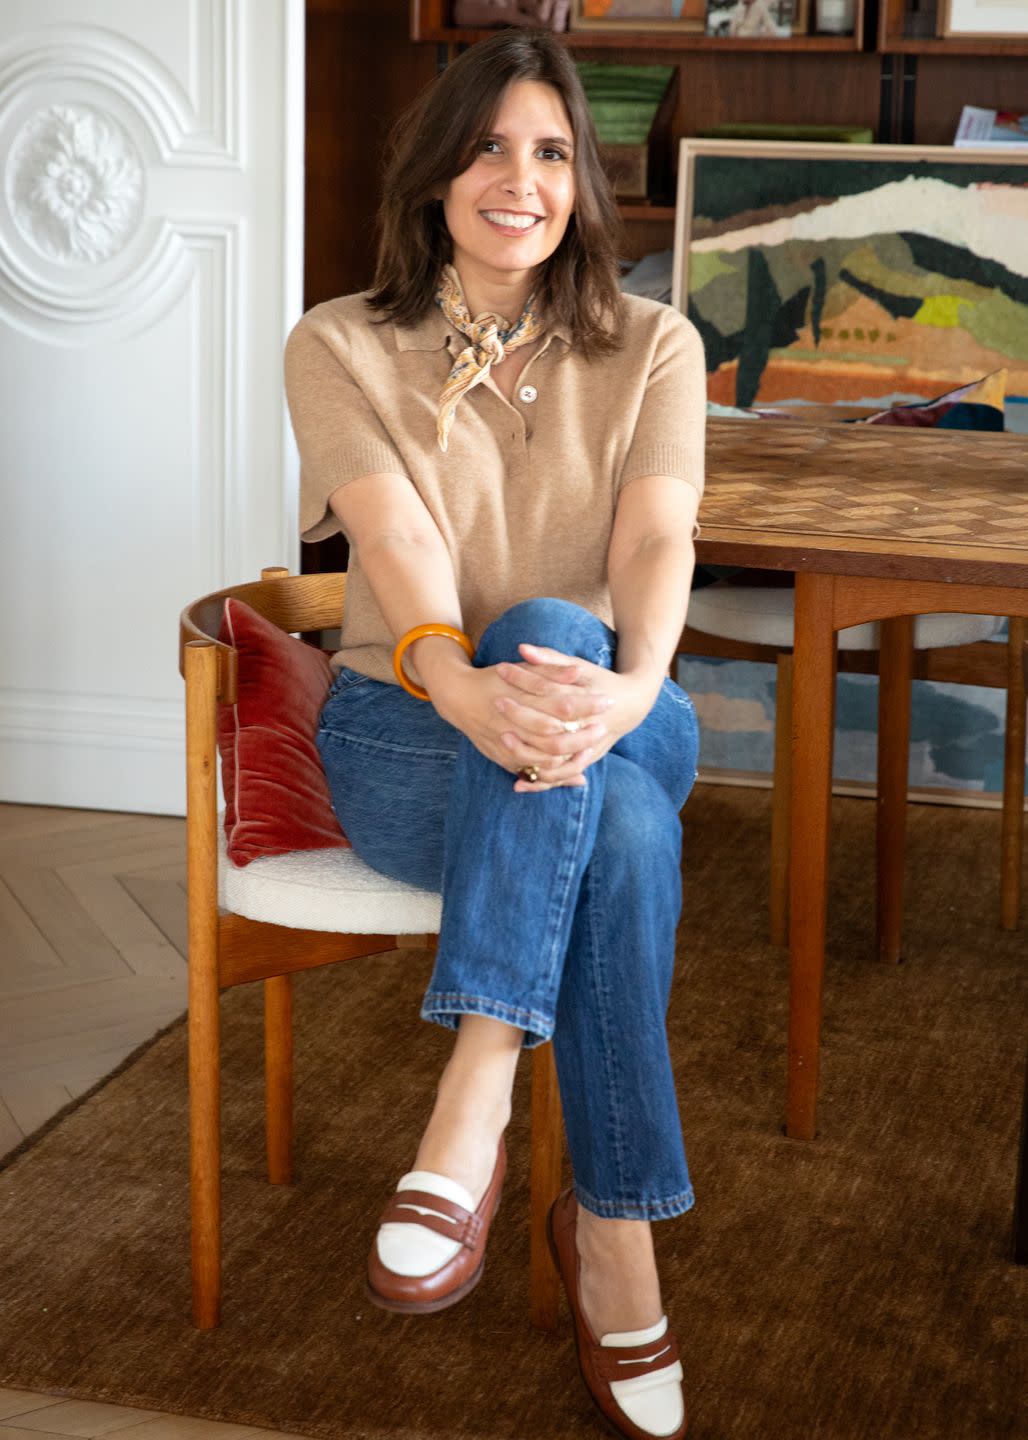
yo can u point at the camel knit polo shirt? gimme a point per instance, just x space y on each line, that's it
524 497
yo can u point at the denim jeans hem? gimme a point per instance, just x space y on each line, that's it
446 1008
637 1209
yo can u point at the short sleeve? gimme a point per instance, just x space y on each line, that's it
339 435
670 430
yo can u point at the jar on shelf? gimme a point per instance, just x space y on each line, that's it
835 17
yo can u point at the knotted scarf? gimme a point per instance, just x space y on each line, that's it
491 337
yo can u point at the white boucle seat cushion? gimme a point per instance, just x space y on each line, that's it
763 615
324 890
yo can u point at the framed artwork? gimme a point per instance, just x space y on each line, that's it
986 19
684 16
750 19
852 274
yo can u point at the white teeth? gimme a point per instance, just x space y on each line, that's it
504 217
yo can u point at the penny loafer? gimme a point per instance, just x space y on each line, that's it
633 1377
429 1251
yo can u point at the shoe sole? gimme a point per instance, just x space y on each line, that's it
608 1422
443 1302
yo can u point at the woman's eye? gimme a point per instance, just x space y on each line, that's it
486 144
552 153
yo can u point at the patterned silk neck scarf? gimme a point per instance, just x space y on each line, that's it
491 337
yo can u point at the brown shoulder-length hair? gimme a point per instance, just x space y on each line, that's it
438 138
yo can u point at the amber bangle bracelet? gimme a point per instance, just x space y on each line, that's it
450 632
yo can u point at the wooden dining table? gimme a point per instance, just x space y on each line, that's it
878 523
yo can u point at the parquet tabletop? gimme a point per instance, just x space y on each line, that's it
867 500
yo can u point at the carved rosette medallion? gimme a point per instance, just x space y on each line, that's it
74 183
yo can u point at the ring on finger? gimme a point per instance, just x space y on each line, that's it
572 725
529 773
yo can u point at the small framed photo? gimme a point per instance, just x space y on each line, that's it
983 19
750 19
684 16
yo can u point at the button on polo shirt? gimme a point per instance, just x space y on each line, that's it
523 510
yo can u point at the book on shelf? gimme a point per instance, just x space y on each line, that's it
995 129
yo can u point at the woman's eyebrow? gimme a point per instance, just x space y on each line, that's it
541 140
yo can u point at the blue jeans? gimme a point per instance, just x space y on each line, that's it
559 908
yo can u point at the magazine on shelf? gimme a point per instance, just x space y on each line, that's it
996 129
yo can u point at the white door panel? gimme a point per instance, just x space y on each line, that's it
150 268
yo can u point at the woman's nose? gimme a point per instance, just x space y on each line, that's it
519 178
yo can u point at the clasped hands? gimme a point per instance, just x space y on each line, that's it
529 702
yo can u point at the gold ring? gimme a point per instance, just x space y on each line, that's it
529 773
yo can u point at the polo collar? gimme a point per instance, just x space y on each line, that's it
432 332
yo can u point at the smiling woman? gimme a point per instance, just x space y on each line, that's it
546 526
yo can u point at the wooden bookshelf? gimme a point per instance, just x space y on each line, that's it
642 211
894 25
430 23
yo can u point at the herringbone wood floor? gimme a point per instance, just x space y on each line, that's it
92 963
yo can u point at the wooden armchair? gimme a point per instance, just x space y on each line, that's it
252 936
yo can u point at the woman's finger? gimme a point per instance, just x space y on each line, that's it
532 721
544 655
536 749
532 680
566 775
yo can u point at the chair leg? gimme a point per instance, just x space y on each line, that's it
895 676
1012 844
200 666
278 1077
546 1151
781 796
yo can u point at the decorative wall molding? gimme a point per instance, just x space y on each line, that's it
91 124
74 184
151 192
198 125
219 486
55 717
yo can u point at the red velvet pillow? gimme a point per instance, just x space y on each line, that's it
276 794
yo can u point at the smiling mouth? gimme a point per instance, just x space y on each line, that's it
511 220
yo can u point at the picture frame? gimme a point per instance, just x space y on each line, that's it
750 19
684 17
813 270
983 19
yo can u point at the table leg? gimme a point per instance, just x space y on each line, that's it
895 677
813 718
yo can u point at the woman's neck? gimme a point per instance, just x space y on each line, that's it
504 295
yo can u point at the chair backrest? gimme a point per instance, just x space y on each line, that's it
295 603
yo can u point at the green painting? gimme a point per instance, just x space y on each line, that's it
847 274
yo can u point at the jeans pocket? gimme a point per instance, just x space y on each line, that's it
348 679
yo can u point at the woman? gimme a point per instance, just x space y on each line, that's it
514 451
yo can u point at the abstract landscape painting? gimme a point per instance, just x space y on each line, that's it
852 274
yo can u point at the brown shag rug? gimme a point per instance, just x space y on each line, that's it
858 1286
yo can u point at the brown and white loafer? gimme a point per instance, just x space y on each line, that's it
429 1251
634 1377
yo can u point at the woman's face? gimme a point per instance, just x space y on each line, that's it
507 212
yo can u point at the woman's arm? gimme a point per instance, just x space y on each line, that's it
649 569
409 570
650 565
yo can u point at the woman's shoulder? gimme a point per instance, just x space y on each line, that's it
643 316
652 327
341 318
